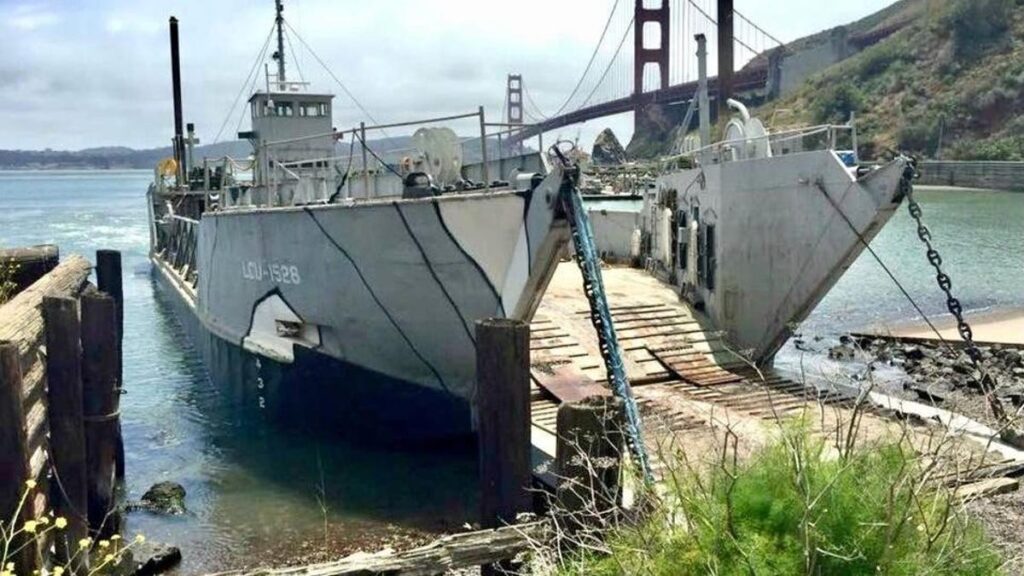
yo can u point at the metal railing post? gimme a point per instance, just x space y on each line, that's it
483 148
366 169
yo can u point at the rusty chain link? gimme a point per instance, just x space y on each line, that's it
945 284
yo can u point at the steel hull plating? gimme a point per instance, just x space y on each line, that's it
367 311
784 229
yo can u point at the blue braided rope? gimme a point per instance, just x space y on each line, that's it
593 286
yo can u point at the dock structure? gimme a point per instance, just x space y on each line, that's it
686 379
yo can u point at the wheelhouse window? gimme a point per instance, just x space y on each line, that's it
310 109
283 109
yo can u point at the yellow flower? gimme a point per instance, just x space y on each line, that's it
61 522
58 570
104 543
108 558
30 526
84 543
140 538
9 567
43 520
30 484
115 537
6 573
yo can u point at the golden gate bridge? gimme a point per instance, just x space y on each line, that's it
646 56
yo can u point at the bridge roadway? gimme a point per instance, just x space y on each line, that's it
743 81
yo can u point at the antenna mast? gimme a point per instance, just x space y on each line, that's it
279 55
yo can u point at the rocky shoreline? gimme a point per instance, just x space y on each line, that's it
944 375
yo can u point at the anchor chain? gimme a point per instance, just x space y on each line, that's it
945 284
593 287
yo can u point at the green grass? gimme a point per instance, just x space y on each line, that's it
796 507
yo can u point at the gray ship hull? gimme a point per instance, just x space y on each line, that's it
367 308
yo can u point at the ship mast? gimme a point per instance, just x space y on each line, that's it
279 55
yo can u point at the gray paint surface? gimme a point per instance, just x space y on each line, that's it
780 243
388 285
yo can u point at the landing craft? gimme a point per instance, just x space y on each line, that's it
323 292
762 225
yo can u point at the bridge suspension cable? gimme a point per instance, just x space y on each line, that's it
618 50
590 63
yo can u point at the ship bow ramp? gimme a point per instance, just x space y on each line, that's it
786 229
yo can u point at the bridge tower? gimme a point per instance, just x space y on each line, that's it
643 56
726 65
514 98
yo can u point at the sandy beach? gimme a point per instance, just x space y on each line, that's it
1005 326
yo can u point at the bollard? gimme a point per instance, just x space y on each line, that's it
503 413
588 457
14 466
64 412
100 401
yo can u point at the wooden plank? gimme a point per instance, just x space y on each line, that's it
569 386
989 487
454 552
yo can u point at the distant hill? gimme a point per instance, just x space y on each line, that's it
390 150
945 68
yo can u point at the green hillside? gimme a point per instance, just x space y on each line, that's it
955 68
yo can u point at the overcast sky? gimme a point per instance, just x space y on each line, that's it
77 74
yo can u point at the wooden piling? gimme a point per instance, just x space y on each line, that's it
109 280
588 456
503 410
29 263
64 412
100 402
14 466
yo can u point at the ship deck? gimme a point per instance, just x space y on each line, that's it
689 386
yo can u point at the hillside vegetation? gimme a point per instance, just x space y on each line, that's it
955 70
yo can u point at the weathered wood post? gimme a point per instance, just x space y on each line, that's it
29 263
109 280
14 467
588 456
503 410
64 412
100 401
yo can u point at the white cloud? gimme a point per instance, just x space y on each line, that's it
28 17
79 76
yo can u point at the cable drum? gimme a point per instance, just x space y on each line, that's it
440 154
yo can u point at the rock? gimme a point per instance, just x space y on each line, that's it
1012 357
840 352
1017 372
913 352
928 393
1015 394
965 368
162 498
607 149
154 558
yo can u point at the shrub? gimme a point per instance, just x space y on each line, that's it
837 102
797 507
978 25
919 134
